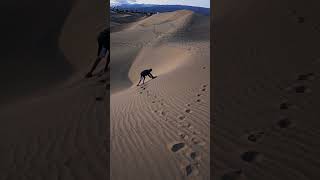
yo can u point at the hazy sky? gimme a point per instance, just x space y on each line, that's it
200 3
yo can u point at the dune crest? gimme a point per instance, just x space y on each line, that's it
179 31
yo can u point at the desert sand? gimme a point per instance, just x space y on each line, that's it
266 79
54 123
160 130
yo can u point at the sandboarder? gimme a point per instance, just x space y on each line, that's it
103 51
145 73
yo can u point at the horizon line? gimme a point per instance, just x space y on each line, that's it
163 5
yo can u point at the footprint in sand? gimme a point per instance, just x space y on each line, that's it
183 136
181 117
307 76
298 88
191 169
284 105
188 105
284 123
301 19
301 89
163 113
198 95
193 155
177 146
203 67
198 100
256 136
99 98
188 111
186 125
197 141
188 169
233 175
195 132
250 156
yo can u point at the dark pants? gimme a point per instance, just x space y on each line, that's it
100 56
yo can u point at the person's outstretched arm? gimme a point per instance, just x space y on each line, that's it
152 76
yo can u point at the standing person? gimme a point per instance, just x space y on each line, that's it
103 50
145 73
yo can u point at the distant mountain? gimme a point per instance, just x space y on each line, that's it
161 8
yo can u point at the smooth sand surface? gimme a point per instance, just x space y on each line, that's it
266 79
54 123
160 130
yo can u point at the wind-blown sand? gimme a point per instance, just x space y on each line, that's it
160 130
54 122
266 80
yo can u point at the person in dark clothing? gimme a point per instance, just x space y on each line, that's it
145 73
103 50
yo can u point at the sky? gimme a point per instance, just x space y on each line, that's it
199 3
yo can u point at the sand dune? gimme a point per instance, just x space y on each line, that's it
161 130
26 40
266 71
54 123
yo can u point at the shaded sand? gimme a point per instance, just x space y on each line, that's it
53 122
160 130
266 97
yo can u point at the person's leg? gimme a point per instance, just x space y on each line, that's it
93 67
108 61
139 81
143 79
89 74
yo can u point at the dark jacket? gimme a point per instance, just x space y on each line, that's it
145 72
104 40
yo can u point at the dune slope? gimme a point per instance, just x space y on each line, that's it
160 130
59 130
266 69
30 55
